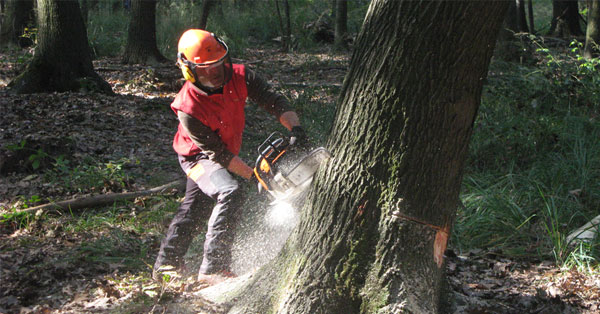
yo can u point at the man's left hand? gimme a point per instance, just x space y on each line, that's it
298 137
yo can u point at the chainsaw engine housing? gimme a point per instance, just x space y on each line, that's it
285 170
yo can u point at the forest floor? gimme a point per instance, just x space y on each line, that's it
45 267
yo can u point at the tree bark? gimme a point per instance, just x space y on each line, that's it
141 37
377 220
592 35
17 14
62 58
565 20
341 23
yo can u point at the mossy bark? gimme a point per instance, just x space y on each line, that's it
62 59
141 37
376 222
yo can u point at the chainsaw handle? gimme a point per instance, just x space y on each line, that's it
270 142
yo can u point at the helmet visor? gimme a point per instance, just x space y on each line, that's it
215 74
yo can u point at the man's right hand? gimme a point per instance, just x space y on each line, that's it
254 180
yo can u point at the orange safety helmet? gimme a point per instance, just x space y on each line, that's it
204 59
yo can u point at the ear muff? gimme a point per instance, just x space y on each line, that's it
185 70
187 73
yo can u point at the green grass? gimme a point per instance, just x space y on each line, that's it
534 165
107 31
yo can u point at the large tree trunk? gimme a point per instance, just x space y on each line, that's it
62 59
141 38
15 17
565 19
341 23
376 223
592 35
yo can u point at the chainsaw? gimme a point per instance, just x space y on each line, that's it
285 170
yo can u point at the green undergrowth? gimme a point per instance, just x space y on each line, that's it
242 24
533 173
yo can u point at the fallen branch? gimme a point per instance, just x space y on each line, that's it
104 199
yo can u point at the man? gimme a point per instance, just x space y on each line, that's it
210 109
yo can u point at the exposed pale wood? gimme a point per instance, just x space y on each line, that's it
585 233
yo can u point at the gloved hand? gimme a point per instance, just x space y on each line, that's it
298 137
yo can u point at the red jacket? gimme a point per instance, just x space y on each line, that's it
223 113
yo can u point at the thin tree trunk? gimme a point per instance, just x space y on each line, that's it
62 58
530 16
377 220
206 7
288 25
341 24
141 38
592 37
284 38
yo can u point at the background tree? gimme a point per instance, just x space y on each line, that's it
16 16
207 5
516 20
375 225
592 35
285 24
565 19
141 37
521 16
62 59
509 46
341 23
530 16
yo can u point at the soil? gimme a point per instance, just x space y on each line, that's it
42 267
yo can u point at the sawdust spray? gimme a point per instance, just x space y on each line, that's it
263 232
